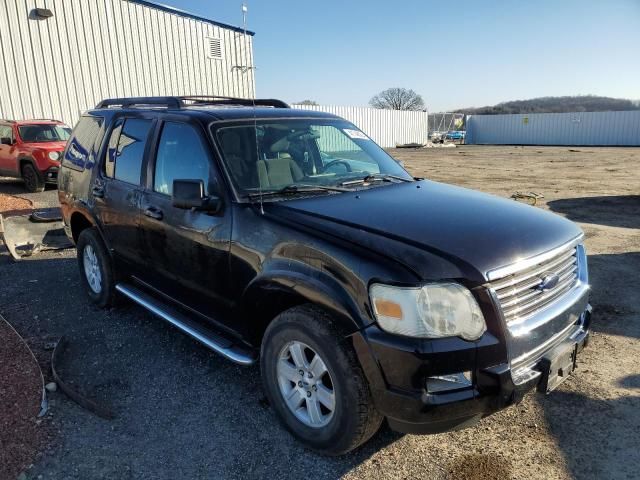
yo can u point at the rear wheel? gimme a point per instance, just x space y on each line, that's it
96 269
32 180
315 383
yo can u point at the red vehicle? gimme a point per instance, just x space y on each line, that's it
31 150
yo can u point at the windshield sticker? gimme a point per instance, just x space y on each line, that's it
357 134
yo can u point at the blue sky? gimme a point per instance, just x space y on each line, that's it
462 54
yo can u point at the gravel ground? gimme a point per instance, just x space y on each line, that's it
184 412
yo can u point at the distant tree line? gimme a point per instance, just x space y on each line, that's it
582 103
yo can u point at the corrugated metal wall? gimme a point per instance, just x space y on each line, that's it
95 49
581 128
387 128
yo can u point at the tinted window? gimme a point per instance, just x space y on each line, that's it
181 156
85 136
126 150
270 155
44 133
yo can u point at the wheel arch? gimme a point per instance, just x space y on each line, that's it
78 221
275 291
25 159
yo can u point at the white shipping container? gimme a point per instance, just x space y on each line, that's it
387 128
579 128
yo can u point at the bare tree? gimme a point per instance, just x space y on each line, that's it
397 99
307 102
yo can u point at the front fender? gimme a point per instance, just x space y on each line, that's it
300 283
22 158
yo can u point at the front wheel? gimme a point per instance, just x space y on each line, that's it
33 183
315 383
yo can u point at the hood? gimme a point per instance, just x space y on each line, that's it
467 228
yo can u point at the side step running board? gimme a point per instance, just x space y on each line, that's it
214 341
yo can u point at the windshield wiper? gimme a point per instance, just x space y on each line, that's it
375 177
294 189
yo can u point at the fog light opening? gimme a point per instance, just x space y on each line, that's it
452 381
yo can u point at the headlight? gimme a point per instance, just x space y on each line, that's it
54 155
434 310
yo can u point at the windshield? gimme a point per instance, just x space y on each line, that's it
44 133
301 152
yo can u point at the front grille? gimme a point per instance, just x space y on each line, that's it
521 294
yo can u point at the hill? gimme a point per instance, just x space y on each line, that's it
582 103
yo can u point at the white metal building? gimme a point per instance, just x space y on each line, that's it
579 128
387 128
58 58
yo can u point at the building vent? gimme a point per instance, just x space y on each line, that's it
214 47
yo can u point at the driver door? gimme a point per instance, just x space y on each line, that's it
186 250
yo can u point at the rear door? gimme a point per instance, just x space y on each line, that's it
187 251
117 187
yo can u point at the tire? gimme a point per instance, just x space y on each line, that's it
33 182
96 268
354 419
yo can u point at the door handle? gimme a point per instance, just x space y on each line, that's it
98 191
153 212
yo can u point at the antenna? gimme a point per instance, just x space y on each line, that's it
245 67
245 9
244 17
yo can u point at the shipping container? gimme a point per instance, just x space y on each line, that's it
388 128
579 128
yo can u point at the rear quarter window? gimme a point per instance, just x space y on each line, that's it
85 139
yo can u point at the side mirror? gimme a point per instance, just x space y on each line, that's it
6 141
189 194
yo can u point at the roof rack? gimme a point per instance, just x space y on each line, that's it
169 102
189 100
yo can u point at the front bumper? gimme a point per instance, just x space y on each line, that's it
401 395
50 175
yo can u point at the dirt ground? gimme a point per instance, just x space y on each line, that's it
183 412
21 436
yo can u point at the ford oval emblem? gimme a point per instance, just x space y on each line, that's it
549 281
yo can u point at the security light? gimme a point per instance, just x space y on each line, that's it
40 14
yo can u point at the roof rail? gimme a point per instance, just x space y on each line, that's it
189 100
219 100
169 102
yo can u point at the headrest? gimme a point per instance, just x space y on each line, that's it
281 145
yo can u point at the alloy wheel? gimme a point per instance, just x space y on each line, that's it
92 269
306 385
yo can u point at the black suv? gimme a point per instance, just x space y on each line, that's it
290 237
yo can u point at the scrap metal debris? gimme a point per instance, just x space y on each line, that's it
26 235
99 410
409 145
530 198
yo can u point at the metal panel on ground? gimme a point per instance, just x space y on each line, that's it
387 128
578 128
61 65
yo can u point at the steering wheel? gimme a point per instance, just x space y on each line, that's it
337 162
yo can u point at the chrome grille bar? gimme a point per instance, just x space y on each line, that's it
522 294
